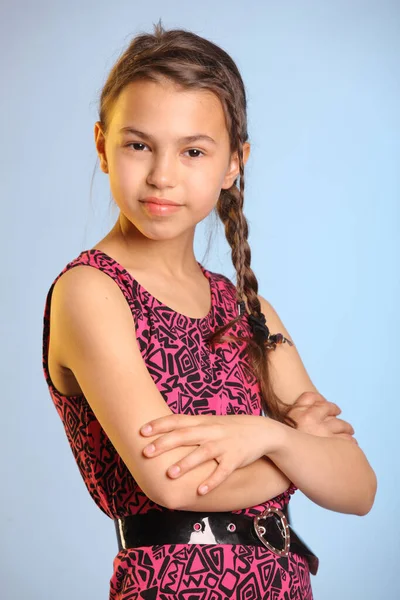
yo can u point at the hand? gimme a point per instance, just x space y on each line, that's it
315 415
233 441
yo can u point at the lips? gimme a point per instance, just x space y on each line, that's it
160 201
159 207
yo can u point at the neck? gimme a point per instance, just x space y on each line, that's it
164 256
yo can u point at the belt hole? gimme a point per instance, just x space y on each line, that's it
197 527
231 527
262 530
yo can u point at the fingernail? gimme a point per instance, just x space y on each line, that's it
174 470
146 429
149 449
203 489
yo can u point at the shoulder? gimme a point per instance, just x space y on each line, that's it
81 286
86 305
87 299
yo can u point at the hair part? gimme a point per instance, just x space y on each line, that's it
194 62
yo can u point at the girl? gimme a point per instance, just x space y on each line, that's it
163 372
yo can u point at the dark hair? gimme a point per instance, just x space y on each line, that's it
194 62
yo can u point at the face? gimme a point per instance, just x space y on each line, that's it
146 154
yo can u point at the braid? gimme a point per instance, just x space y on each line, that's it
237 230
230 211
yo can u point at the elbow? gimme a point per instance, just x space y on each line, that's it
176 494
173 500
170 496
154 482
179 497
368 498
364 509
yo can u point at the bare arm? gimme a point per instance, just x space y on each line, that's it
331 471
90 314
245 487
322 459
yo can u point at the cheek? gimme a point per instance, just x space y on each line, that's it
207 182
205 200
125 177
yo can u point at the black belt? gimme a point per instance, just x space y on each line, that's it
270 528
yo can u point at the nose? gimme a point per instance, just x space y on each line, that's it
163 171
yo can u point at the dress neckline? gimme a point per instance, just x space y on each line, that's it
124 271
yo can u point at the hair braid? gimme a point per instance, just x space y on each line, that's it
230 211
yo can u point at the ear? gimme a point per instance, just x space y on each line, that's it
233 168
100 142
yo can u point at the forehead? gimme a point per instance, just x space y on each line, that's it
166 107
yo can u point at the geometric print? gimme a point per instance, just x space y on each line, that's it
209 572
193 378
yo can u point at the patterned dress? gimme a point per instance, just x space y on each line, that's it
193 379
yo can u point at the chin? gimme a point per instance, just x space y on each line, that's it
159 232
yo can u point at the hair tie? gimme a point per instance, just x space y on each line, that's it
258 324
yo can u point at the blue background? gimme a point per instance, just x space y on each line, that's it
322 199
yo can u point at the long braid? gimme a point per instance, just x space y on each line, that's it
230 211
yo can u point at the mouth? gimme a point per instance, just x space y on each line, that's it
158 207
159 201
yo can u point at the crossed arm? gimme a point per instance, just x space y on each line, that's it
320 457
92 319
327 466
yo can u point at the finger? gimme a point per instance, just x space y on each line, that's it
339 426
221 473
169 423
300 409
297 410
347 437
198 456
185 436
310 398
320 411
306 399
326 409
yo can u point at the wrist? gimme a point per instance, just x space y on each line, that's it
276 439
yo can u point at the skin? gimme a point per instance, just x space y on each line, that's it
94 338
191 174
237 441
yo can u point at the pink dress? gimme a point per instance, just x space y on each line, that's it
193 380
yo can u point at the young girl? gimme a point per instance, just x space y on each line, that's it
186 404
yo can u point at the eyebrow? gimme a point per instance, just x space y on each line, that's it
186 139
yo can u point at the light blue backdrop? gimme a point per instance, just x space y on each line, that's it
322 199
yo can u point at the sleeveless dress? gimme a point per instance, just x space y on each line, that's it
193 379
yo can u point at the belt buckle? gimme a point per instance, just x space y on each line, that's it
284 530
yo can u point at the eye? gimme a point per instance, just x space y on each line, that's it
135 144
195 150
142 144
